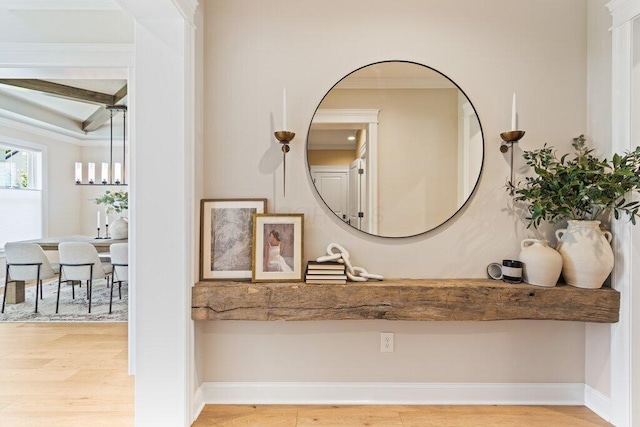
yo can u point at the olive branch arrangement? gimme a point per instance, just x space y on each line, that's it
115 201
582 187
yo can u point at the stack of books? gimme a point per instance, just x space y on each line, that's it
325 273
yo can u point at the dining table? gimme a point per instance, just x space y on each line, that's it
16 290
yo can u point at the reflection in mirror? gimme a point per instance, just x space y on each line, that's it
395 149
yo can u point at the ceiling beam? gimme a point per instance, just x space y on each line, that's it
101 115
64 91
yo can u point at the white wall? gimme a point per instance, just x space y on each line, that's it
249 59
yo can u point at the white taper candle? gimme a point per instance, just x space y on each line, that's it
514 114
117 173
284 109
105 172
78 172
92 172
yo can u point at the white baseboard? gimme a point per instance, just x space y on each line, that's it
329 393
597 402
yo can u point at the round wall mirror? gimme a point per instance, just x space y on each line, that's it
395 149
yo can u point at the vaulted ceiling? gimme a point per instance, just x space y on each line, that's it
73 105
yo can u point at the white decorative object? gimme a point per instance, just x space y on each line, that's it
542 264
119 229
586 254
355 274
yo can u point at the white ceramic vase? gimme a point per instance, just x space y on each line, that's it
542 264
119 229
586 252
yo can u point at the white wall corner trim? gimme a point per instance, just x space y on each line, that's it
624 276
198 402
361 393
188 9
597 402
623 10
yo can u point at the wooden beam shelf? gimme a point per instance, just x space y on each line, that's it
402 299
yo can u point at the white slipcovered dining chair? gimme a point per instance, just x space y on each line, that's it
26 261
120 263
79 261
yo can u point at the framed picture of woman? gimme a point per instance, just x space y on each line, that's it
226 237
278 247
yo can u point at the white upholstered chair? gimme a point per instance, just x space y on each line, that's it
120 262
79 261
26 261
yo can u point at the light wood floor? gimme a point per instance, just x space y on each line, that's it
64 375
415 416
70 374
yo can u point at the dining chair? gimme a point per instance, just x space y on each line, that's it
120 262
26 261
79 261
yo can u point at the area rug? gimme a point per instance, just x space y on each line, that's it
71 310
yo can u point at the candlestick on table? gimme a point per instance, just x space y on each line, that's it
98 219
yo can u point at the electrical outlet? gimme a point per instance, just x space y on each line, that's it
386 342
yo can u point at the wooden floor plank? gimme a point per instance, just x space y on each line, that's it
66 419
349 416
265 416
65 375
24 363
414 416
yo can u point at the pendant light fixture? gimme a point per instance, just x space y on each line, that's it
112 173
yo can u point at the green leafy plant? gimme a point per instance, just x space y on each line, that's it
582 187
115 201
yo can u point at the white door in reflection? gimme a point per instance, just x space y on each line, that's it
332 184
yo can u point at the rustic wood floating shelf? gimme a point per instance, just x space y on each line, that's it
402 299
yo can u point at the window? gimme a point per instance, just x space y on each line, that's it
20 193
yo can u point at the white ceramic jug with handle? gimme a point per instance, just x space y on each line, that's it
542 264
587 258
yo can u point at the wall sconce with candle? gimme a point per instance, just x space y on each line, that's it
513 136
284 137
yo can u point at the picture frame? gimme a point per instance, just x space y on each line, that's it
278 248
226 237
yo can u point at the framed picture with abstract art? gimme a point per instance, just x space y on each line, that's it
226 237
277 247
